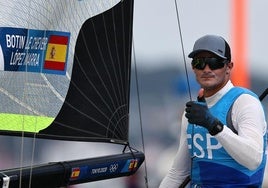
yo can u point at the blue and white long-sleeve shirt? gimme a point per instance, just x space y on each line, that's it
245 149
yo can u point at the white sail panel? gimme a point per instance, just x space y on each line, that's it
28 94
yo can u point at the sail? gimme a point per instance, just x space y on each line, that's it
65 69
65 75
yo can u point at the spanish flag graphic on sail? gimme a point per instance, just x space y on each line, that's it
56 53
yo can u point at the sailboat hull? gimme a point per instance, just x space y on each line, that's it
59 174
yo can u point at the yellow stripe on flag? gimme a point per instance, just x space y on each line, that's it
56 52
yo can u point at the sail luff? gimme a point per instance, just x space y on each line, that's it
129 57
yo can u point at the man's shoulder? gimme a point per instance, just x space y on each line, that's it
241 90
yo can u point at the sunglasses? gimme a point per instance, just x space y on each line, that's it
212 62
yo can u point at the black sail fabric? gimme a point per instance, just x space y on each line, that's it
97 103
66 72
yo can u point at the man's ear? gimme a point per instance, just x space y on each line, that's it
230 65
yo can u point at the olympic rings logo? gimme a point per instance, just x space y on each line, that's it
113 167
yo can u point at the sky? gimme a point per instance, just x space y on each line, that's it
157 37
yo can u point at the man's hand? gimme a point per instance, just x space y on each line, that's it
199 114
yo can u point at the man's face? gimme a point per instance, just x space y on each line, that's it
209 79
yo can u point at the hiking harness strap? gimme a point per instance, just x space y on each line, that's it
229 120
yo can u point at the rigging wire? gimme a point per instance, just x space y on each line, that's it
188 178
139 109
183 51
32 160
21 158
25 98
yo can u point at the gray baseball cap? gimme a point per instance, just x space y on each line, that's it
214 44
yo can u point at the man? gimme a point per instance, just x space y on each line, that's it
223 133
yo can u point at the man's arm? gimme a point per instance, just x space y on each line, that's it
182 162
248 119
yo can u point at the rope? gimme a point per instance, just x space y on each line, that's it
183 51
188 178
139 109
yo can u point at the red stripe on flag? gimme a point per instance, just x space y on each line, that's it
54 65
57 39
